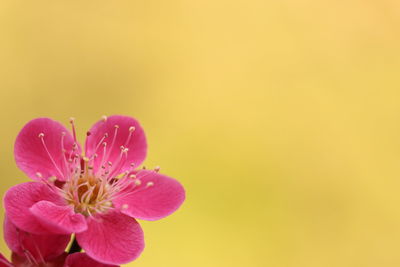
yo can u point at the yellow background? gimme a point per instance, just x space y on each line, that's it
281 118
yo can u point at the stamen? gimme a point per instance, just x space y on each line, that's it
86 141
100 142
63 151
6 263
38 252
103 158
104 118
131 130
72 121
113 141
41 136
27 253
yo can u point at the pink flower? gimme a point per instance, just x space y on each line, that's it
30 250
96 196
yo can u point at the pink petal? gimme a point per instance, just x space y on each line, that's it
82 259
61 219
20 198
32 157
41 247
112 238
156 197
136 143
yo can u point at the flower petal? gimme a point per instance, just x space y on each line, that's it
119 132
31 155
41 247
61 219
156 197
20 198
82 259
112 238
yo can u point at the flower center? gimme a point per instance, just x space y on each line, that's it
88 194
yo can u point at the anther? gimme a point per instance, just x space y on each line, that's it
104 118
132 128
41 135
149 184
38 174
138 182
132 176
71 120
116 126
125 206
157 169
52 179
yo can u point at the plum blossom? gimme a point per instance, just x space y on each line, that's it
96 193
31 250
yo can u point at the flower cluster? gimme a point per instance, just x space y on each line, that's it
94 194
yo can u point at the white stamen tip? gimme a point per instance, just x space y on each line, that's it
157 169
132 176
138 182
149 184
125 206
104 118
38 174
52 179
116 126
41 135
71 120
132 128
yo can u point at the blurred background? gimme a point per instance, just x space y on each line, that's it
281 118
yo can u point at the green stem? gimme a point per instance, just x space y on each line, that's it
74 247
